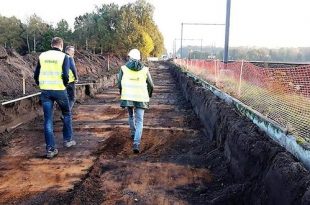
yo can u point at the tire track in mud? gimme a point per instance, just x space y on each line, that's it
177 163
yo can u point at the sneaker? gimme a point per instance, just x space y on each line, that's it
136 149
69 143
51 153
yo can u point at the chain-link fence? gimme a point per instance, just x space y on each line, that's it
281 94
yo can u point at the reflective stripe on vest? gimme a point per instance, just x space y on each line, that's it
134 86
51 70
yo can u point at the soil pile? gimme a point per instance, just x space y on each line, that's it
217 158
177 163
13 68
92 67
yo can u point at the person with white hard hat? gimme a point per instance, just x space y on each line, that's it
136 88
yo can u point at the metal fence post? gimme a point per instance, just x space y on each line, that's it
240 79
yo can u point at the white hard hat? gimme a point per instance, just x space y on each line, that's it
134 54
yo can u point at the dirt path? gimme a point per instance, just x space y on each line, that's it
177 164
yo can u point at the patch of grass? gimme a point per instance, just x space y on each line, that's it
290 110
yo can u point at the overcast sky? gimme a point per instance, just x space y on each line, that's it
260 23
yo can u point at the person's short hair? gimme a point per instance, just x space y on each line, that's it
57 41
68 48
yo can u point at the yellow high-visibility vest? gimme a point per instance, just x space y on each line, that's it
71 76
50 77
134 86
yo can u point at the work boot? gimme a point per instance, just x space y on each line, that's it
69 143
51 153
135 148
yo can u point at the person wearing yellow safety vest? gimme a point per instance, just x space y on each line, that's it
51 74
73 77
136 88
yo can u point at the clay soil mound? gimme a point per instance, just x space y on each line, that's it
14 68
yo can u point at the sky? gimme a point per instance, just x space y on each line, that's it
254 23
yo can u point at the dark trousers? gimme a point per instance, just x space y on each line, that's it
71 94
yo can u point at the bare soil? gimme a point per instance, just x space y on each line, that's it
177 163
14 67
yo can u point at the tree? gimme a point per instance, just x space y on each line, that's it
108 23
35 28
128 29
10 32
144 14
139 30
62 30
158 40
45 43
86 32
143 11
147 44
110 29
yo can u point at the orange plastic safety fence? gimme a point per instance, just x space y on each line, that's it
281 94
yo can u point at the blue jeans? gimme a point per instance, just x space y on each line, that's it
136 123
71 94
48 97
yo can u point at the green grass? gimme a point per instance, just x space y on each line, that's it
291 111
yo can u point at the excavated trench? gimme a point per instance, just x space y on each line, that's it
213 157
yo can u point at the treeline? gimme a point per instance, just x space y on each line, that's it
301 54
109 29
